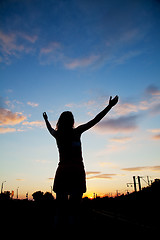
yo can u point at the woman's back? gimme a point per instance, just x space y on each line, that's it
69 145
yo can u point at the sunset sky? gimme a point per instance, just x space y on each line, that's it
73 55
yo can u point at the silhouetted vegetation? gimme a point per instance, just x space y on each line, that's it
39 196
136 212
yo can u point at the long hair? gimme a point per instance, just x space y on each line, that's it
65 122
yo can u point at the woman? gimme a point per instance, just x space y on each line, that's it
70 174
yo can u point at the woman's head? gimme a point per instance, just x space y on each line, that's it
65 121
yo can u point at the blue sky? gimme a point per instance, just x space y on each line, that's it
72 55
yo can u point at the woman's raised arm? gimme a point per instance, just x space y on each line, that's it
50 129
84 127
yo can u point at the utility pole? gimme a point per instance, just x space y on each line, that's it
17 192
27 195
51 189
134 181
148 180
2 186
117 193
139 183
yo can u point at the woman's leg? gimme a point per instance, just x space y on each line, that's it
61 209
74 209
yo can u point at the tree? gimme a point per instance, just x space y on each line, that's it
37 196
48 196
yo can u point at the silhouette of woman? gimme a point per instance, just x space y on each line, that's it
70 175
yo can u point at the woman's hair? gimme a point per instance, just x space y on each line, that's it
65 121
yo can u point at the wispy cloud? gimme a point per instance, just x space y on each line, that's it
51 178
108 164
156 132
92 172
156 137
42 161
6 130
81 62
126 108
90 103
103 176
152 90
121 139
111 148
50 48
126 57
51 53
116 125
9 118
144 168
33 104
34 124
13 44
97 174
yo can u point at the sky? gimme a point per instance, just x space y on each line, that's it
73 55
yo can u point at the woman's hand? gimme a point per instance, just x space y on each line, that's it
113 102
45 116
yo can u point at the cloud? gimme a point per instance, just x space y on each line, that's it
50 48
152 100
42 161
84 62
120 139
92 172
108 164
155 110
20 179
32 104
89 103
9 118
6 130
34 124
125 108
51 53
98 175
152 90
115 125
156 137
111 148
103 176
134 169
155 130
13 44
125 57
51 178
29 38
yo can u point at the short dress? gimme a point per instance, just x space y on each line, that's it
70 175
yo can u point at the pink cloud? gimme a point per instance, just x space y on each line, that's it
50 48
6 130
115 125
84 62
156 137
34 124
92 172
32 104
9 118
121 139
152 90
104 175
14 44
144 168
126 108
